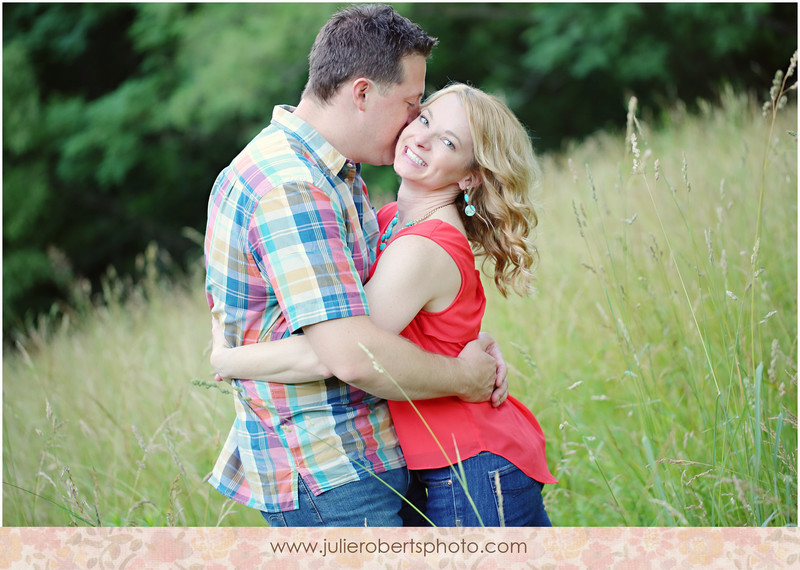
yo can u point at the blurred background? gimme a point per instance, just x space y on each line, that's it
117 117
660 356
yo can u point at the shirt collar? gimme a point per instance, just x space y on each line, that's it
283 116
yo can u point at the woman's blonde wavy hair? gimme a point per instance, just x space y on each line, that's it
505 217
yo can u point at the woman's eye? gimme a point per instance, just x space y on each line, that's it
423 119
449 144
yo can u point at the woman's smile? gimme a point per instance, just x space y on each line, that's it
413 157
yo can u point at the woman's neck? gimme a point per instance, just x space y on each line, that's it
414 203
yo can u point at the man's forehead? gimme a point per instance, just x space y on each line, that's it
414 68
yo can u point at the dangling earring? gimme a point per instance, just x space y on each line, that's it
469 210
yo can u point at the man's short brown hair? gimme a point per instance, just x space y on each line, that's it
365 40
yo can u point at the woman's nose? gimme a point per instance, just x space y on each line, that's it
421 138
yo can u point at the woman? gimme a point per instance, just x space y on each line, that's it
466 167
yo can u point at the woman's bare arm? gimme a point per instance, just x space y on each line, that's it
288 361
399 289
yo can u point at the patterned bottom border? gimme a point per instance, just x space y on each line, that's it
559 548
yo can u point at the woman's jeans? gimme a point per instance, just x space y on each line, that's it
501 494
361 503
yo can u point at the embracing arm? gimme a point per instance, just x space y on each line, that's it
400 287
341 345
294 360
396 293
288 361
398 290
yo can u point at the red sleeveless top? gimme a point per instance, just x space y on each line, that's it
461 429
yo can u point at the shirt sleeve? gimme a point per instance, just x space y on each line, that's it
298 238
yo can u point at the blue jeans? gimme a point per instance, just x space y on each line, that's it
361 503
447 503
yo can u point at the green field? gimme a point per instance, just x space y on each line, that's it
658 353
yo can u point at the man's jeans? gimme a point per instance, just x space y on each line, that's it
449 505
361 503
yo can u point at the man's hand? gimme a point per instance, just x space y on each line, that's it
500 392
481 381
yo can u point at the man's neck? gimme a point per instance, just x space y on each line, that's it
327 119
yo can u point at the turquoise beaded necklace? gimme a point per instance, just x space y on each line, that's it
388 233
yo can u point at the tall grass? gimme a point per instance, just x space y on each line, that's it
658 354
102 423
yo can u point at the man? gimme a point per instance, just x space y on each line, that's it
290 238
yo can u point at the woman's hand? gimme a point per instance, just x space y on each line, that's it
219 350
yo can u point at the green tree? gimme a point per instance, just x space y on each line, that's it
118 117
569 69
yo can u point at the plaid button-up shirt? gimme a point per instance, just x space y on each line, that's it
290 239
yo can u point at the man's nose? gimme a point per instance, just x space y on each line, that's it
413 113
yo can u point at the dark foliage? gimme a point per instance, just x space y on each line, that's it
117 117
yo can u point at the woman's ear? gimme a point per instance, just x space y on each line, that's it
471 180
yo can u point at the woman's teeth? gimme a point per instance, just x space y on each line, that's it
414 158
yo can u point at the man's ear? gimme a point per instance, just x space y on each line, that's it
361 87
